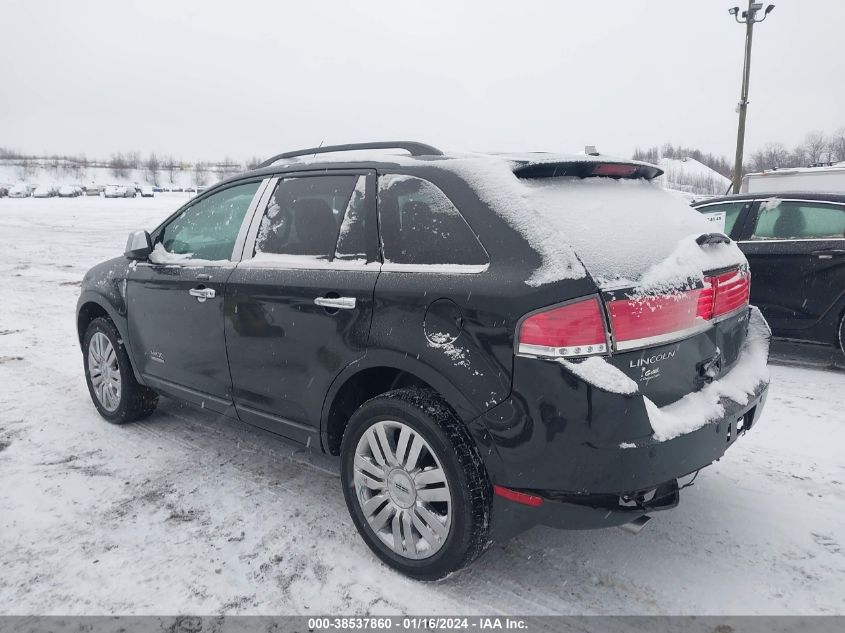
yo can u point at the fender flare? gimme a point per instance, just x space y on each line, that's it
118 317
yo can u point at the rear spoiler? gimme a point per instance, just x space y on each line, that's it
586 169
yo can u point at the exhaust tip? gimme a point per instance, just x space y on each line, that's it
636 526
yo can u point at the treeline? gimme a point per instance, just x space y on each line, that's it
154 168
818 148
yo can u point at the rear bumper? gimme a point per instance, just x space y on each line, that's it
646 478
599 459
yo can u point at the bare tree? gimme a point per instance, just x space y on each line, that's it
254 162
814 146
770 156
152 166
118 165
170 166
200 173
837 144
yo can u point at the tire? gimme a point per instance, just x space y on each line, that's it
841 334
458 493
124 399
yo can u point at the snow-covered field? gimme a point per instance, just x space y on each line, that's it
191 513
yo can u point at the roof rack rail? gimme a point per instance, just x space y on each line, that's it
414 148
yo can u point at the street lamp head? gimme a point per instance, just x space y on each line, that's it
769 9
733 11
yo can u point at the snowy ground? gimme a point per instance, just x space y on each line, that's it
187 512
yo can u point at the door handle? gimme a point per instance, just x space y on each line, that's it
829 254
337 303
202 293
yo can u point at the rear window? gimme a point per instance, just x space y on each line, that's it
784 220
618 228
420 226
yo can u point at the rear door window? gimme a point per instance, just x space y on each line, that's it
316 219
794 220
723 216
420 227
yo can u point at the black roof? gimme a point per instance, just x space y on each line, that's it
821 196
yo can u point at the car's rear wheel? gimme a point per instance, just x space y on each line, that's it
116 393
841 334
414 484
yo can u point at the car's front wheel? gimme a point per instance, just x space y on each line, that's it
117 395
841 334
415 484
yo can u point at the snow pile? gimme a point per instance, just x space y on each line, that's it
696 409
162 256
688 174
599 373
686 262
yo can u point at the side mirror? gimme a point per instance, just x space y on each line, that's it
138 246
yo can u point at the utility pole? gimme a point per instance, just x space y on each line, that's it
749 18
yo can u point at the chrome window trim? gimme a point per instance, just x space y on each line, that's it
792 239
776 197
723 202
435 269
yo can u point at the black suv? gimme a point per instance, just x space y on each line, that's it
488 342
795 245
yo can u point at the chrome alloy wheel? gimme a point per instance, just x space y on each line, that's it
104 371
402 489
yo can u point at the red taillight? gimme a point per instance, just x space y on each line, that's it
732 291
635 321
519 497
575 329
653 319
614 170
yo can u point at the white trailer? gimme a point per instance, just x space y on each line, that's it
830 178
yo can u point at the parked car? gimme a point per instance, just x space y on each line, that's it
45 191
95 190
20 191
4 191
485 342
795 245
69 191
146 191
120 191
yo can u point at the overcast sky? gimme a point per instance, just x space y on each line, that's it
203 80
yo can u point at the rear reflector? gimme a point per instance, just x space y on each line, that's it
574 329
518 497
614 170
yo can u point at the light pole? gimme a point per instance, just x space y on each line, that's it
749 18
